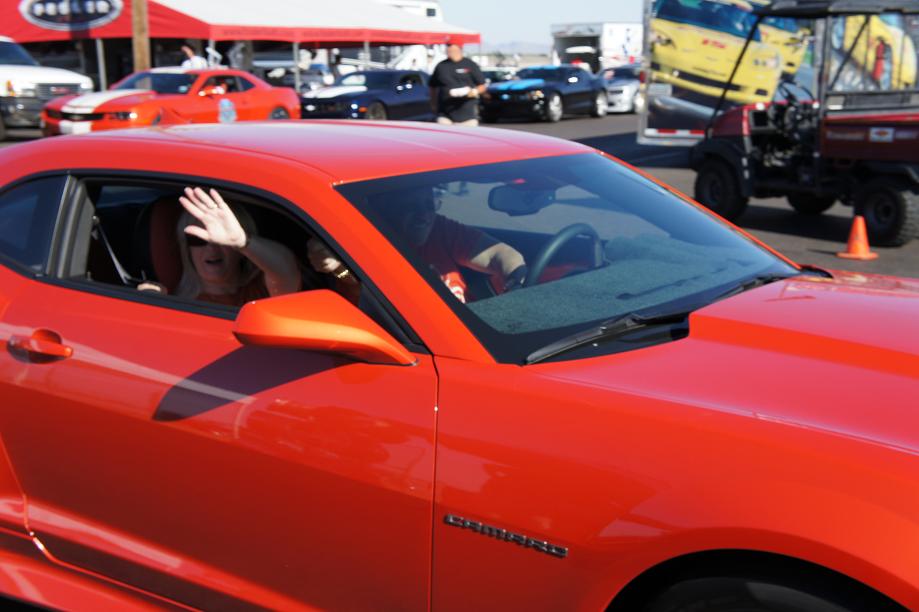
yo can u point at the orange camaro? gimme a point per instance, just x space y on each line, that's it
507 372
171 95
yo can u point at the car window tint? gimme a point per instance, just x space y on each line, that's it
27 216
245 84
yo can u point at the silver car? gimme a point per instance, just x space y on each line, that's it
621 86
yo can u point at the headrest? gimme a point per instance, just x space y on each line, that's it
156 234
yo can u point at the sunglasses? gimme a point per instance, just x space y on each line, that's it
194 241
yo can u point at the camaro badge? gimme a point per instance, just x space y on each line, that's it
503 534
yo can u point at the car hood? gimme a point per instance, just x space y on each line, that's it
838 355
520 85
44 74
102 101
334 92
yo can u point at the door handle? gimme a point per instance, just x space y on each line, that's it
43 342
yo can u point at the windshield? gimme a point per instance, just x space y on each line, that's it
874 53
651 249
160 82
721 16
11 53
370 80
548 74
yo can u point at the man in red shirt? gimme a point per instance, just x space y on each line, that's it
444 244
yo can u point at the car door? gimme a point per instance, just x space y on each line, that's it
415 95
578 88
157 450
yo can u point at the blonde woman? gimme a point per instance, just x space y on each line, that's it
224 260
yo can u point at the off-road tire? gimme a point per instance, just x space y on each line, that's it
279 112
555 108
376 112
741 594
718 189
600 106
890 206
809 204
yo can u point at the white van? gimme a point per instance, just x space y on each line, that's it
25 86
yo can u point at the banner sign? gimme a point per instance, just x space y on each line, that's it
70 15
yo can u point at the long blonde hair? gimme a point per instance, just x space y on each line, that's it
190 284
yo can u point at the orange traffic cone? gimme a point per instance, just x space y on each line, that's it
858 242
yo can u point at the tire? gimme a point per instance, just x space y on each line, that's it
739 594
2 130
555 108
279 112
810 205
600 105
718 189
890 206
376 112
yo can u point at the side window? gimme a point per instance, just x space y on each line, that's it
28 213
137 241
244 84
226 83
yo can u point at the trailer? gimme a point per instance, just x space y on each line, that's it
597 45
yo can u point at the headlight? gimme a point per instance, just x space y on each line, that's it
122 116
22 89
770 62
536 94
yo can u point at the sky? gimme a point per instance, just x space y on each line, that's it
505 21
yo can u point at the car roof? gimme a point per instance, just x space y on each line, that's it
349 151
820 8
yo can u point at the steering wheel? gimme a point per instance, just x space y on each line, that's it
551 249
786 88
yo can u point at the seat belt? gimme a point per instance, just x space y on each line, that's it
99 234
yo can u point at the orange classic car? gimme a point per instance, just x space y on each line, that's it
517 374
171 95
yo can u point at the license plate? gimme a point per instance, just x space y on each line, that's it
75 127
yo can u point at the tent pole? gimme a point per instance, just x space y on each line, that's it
100 57
367 54
297 67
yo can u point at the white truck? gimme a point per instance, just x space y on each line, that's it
25 86
599 45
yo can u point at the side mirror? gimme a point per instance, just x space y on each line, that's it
318 320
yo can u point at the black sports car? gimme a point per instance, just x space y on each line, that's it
545 92
372 94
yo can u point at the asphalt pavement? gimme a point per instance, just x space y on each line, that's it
812 240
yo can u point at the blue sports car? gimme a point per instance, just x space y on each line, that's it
372 94
545 92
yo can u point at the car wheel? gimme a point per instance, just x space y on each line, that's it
600 105
279 113
718 189
376 112
891 210
2 131
807 204
554 108
738 594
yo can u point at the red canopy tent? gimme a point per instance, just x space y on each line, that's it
333 23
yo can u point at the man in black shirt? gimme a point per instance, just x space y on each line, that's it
455 86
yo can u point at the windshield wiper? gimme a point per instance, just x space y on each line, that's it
608 330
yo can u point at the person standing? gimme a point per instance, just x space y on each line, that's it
456 85
193 61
